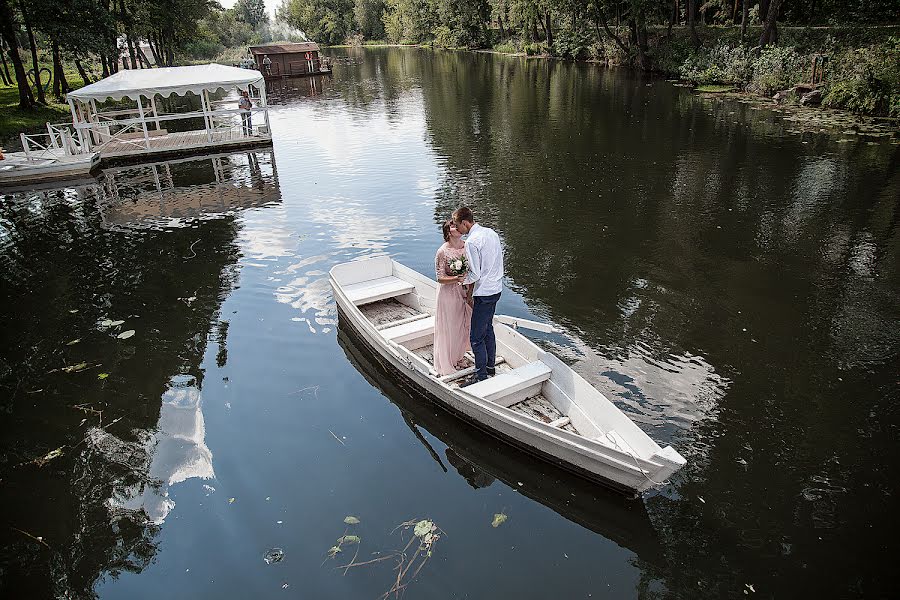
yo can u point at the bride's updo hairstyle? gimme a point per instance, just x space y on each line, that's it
445 228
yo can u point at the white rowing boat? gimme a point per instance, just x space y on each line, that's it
534 402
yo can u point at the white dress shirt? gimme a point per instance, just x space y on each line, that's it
485 256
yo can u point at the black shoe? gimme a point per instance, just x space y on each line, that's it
469 381
491 371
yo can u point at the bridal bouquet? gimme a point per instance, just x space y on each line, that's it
457 266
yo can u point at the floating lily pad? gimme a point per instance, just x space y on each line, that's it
424 527
349 539
102 375
75 368
351 520
126 334
273 555
499 519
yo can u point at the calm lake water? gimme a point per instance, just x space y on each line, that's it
733 286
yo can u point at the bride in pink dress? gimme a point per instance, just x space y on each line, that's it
453 315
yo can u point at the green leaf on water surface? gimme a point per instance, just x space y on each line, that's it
332 552
231 501
499 519
106 322
73 311
350 520
102 375
75 368
126 334
423 528
73 342
349 539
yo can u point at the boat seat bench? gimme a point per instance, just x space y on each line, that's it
374 290
503 387
409 331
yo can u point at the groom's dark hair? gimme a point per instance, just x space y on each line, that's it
463 213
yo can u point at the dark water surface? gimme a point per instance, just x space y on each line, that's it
732 286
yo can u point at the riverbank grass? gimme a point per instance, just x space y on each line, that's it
15 120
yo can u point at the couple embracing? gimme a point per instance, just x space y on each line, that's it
471 276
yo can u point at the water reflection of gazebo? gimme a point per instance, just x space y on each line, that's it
214 185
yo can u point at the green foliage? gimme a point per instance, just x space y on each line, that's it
777 68
866 80
570 43
506 47
367 14
444 37
535 49
326 21
408 21
720 64
252 12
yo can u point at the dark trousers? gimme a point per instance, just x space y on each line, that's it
481 335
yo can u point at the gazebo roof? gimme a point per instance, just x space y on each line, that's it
167 81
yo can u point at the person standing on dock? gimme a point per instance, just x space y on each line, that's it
246 116
267 64
484 254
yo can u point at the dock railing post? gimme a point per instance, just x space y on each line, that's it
143 122
83 146
207 119
25 147
153 107
265 105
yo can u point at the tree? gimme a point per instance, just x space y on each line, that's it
8 31
770 14
368 18
252 12
326 21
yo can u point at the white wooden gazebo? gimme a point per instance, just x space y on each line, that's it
134 123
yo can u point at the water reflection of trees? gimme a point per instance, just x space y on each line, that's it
73 258
659 227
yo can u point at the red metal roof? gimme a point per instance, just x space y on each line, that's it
285 48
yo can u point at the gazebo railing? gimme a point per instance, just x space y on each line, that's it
56 143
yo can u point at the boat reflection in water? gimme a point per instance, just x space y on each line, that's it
480 460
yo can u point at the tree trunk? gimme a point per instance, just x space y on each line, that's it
26 99
639 40
601 16
142 58
549 30
129 41
692 22
770 28
34 58
153 51
84 76
502 28
60 85
104 65
744 17
7 80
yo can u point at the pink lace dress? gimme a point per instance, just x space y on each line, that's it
452 318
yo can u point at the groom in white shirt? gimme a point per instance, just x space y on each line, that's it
485 257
